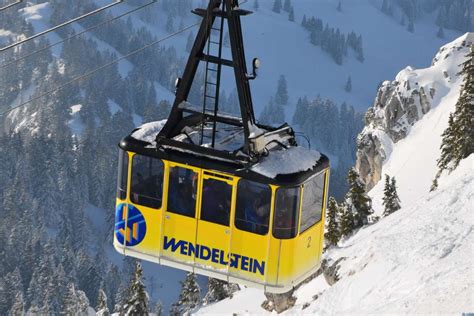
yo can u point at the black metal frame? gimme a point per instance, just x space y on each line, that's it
229 10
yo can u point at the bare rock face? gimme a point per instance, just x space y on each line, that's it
279 302
330 270
399 105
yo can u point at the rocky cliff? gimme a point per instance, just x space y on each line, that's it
403 102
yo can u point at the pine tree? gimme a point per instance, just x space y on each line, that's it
287 6
18 308
411 26
277 6
332 234
291 16
346 226
358 200
102 309
137 303
339 7
217 290
189 297
440 33
304 22
281 95
391 201
256 5
158 310
348 87
385 6
71 301
458 139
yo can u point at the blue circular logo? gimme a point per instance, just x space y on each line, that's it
130 225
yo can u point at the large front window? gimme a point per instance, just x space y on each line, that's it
313 198
147 181
287 207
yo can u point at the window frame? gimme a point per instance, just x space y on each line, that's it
269 207
131 193
197 192
123 168
323 198
224 181
298 212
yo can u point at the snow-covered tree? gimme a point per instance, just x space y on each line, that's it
348 86
137 303
332 234
18 308
287 6
158 309
277 5
291 15
458 139
357 199
339 7
391 201
281 95
71 301
256 5
102 309
440 33
189 298
346 226
217 290
272 114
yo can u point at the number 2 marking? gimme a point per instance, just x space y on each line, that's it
309 242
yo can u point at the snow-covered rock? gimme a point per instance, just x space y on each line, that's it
403 102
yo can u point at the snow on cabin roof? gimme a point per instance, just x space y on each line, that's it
147 132
287 161
278 162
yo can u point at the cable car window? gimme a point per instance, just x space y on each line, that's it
122 178
182 191
313 197
147 181
287 204
252 213
216 200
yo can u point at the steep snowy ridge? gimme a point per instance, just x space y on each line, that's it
403 102
418 260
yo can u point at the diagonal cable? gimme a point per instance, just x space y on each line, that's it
10 5
60 25
16 60
92 72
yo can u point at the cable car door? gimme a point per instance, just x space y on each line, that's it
179 231
214 231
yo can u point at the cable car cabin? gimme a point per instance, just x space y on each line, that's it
218 194
245 225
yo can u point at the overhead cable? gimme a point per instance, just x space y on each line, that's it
16 60
10 5
92 72
60 26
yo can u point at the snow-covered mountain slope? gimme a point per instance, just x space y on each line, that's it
418 260
285 49
403 102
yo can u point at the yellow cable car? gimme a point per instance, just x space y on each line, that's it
220 195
